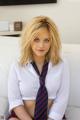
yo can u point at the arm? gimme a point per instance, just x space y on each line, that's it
14 95
60 103
22 113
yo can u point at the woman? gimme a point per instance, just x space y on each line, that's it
40 47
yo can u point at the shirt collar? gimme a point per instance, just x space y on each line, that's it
31 69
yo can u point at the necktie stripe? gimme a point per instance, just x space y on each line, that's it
43 117
42 101
41 97
41 112
41 106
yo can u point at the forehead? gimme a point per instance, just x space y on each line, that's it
43 31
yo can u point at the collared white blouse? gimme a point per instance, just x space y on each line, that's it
23 84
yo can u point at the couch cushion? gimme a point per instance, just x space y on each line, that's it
72 53
9 51
73 113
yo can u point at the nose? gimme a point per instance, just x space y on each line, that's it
41 44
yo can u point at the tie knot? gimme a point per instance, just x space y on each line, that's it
42 81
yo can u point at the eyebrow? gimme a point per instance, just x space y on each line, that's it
47 38
44 38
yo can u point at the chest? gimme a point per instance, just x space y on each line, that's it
29 83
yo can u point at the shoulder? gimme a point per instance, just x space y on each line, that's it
15 66
63 63
18 67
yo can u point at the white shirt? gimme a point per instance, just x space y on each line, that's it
23 84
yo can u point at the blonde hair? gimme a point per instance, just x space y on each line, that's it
28 34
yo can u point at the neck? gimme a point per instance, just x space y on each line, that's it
39 60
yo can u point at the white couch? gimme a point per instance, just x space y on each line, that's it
9 50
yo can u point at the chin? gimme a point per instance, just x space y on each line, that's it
39 55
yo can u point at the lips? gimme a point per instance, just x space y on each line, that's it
41 50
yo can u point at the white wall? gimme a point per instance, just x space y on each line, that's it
65 14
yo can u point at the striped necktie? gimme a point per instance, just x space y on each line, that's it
41 105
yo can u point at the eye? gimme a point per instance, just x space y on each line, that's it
46 40
36 40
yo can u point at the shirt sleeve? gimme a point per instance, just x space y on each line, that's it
14 95
59 105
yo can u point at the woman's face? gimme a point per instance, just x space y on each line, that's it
41 43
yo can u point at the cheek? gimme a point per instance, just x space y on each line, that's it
48 46
33 47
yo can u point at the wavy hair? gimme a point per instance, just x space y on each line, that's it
28 34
